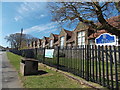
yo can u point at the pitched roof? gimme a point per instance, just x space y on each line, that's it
114 21
56 43
98 33
81 26
39 39
56 36
68 32
47 39
72 38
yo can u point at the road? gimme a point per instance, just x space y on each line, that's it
9 75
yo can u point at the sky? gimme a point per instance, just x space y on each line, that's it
0 23
33 17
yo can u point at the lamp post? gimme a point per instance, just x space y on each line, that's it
21 37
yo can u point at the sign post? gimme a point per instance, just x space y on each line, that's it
106 39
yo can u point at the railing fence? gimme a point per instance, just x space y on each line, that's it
99 64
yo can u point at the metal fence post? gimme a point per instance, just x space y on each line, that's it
87 63
119 53
36 53
116 72
43 55
58 57
111 67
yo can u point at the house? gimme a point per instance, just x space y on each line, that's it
2 48
53 39
31 45
45 42
80 35
114 21
82 32
74 38
39 43
35 44
85 34
71 41
28 45
63 37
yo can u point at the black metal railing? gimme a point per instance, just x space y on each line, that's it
99 64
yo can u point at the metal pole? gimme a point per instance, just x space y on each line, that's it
21 38
58 57
44 55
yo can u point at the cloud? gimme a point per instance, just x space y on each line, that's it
40 28
52 30
17 18
42 15
28 9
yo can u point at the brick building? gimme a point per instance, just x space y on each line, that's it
63 37
114 21
45 42
82 35
39 43
53 40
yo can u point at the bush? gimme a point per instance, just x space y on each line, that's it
28 54
61 54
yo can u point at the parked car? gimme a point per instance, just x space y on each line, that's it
3 50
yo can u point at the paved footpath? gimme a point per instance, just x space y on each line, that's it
9 75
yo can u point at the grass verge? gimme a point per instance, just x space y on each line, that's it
51 79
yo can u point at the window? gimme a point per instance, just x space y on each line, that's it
117 40
43 44
38 44
51 43
91 42
62 41
81 38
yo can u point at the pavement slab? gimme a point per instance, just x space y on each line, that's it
9 75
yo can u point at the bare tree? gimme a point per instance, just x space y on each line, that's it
118 6
30 38
14 40
86 12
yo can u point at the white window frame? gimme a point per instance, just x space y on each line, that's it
43 44
80 37
62 40
51 43
38 44
117 40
